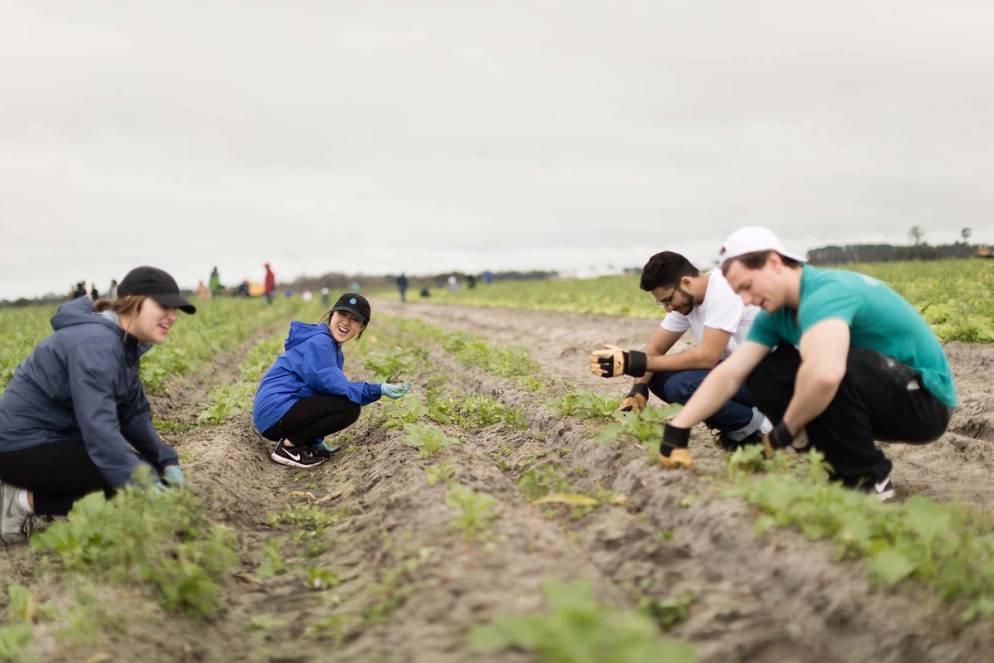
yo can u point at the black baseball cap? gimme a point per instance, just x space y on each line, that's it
355 304
158 285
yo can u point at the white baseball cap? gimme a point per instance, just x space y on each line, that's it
753 239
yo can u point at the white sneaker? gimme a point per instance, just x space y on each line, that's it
15 522
884 490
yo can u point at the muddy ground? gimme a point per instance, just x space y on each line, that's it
411 585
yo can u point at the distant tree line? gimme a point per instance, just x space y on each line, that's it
340 281
840 255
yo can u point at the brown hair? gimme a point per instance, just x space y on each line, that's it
128 305
757 260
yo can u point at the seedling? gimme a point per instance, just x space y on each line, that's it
476 512
439 473
586 405
428 440
578 629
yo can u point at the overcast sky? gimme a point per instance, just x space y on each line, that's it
426 136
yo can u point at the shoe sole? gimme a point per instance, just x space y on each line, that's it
292 463
886 495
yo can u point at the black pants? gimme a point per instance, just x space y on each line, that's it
879 399
312 418
57 474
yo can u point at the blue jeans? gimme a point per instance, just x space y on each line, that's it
679 386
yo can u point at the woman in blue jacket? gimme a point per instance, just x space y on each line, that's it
75 413
305 395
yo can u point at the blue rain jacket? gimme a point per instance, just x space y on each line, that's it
82 384
311 365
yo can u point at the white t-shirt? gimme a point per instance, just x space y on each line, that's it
721 309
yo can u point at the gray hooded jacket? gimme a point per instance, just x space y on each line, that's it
82 384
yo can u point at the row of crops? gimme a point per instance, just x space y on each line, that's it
218 325
954 296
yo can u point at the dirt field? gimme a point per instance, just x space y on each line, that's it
411 585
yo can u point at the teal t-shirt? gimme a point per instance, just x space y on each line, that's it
878 319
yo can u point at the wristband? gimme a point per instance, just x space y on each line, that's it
636 363
639 389
674 437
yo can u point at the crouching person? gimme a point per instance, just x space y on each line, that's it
836 359
305 396
74 419
719 321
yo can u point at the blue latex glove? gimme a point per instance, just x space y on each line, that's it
173 476
394 390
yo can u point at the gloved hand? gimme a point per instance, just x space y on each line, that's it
612 361
636 399
394 390
324 449
673 451
778 438
172 476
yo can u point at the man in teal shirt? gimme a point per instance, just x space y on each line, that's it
836 359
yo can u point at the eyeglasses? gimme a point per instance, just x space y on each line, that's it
667 302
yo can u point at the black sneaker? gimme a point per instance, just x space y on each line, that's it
296 456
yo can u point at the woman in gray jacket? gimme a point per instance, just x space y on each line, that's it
74 419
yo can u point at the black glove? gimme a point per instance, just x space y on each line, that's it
778 438
613 361
636 399
673 451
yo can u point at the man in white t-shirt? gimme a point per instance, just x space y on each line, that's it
705 304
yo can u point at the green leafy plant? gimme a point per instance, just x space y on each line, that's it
149 537
317 579
475 511
439 473
586 404
538 482
667 613
403 411
226 401
646 426
946 546
428 440
578 629
390 365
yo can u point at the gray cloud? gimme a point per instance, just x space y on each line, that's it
445 135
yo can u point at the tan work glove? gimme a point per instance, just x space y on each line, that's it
612 362
673 451
636 399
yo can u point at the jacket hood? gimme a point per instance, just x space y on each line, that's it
79 312
303 331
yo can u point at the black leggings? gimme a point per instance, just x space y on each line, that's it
57 474
312 418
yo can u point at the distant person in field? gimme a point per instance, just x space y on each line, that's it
202 292
74 419
94 293
488 277
704 304
112 292
836 359
471 281
402 287
425 293
214 283
270 284
305 396
325 296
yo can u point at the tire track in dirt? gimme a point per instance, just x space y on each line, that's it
772 599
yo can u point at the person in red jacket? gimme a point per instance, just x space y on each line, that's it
270 283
